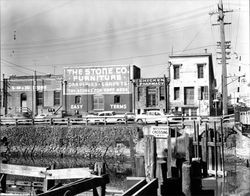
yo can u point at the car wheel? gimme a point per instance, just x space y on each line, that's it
140 121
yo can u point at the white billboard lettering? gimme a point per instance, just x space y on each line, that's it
110 79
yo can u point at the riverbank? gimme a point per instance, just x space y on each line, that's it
77 141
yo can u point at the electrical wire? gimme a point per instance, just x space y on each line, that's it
21 66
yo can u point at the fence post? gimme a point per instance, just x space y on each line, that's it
100 169
215 149
186 178
169 172
150 157
188 147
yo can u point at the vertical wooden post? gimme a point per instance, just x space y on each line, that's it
186 178
139 166
161 174
3 179
198 142
188 147
47 184
169 172
222 147
99 169
150 157
205 164
210 163
215 149
195 140
132 151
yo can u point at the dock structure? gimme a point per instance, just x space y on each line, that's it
88 180
188 163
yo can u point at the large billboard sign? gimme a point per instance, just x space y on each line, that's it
113 79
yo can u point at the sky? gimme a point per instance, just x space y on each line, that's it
46 36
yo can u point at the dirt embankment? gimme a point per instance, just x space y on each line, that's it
84 141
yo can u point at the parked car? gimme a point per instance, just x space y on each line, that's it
106 117
41 117
130 116
151 116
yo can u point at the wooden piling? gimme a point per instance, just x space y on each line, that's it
150 157
139 166
188 148
198 142
186 178
195 140
215 150
210 151
169 160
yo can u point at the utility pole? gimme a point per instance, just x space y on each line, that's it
223 46
35 97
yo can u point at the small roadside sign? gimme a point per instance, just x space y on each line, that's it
159 131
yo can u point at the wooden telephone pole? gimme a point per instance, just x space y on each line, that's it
223 46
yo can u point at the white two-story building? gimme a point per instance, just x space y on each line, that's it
192 84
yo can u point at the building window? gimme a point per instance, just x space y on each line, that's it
39 98
57 95
151 96
200 70
139 93
193 111
176 71
188 95
185 111
98 102
117 99
203 93
77 99
176 93
162 93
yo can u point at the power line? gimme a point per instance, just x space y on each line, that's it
196 35
21 66
177 17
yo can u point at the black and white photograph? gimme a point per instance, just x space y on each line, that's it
124 97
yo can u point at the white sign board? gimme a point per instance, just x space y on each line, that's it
159 131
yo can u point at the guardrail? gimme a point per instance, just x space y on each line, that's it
173 120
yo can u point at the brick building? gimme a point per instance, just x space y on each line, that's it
192 84
99 88
151 94
33 94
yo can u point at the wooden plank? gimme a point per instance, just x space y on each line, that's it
150 157
70 173
21 170
78 186
135 188
148 189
